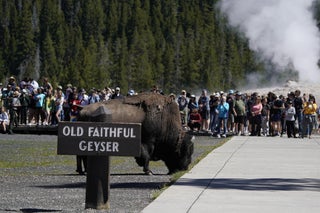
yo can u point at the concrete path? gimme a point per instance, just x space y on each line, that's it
249 174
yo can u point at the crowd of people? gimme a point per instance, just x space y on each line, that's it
253 114
29 102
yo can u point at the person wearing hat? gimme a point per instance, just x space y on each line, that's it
12 82
290 119
83 97
131 92
193 104
93 96
117 94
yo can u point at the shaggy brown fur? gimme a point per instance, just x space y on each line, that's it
162 134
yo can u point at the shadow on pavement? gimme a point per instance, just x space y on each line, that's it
261 184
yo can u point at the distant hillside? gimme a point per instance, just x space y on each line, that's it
132 44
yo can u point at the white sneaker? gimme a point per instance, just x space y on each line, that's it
218 136
224 136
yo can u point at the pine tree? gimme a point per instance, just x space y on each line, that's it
49 61
132 44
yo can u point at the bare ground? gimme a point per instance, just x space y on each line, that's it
34 179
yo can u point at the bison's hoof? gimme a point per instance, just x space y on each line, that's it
148 172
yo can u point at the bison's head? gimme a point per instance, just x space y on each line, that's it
181 159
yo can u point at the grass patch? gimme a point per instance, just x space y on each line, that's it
23 155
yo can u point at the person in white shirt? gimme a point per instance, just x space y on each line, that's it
4 119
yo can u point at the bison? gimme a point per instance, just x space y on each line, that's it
162 136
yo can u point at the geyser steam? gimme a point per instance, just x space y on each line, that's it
283 30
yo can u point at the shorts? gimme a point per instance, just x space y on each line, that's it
5 122
239 119
58 107
205 114
276 117
231 118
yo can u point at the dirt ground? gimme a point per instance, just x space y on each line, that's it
34 179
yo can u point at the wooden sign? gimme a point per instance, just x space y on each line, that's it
99 139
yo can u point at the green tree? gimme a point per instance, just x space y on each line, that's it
49 61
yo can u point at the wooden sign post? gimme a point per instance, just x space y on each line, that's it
98 141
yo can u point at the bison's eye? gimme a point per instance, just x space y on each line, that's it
159 107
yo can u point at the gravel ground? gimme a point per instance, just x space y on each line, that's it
46 182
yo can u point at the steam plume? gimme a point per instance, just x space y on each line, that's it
283 30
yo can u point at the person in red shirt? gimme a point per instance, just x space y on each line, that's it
194 120
75 107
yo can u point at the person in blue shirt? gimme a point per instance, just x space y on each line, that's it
193 104
40 103
223 113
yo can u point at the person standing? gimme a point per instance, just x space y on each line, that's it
204 109
183 107
214 101
276 111
256 116
298 105
223 109
40 105
47 87
265 116
59 105
193 104
231 102
24 101
239 113
117 94
309 116
93 96
290 113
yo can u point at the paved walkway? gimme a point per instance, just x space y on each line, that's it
249 174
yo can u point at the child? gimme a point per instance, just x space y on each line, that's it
4 119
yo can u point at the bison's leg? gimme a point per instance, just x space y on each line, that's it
144 159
